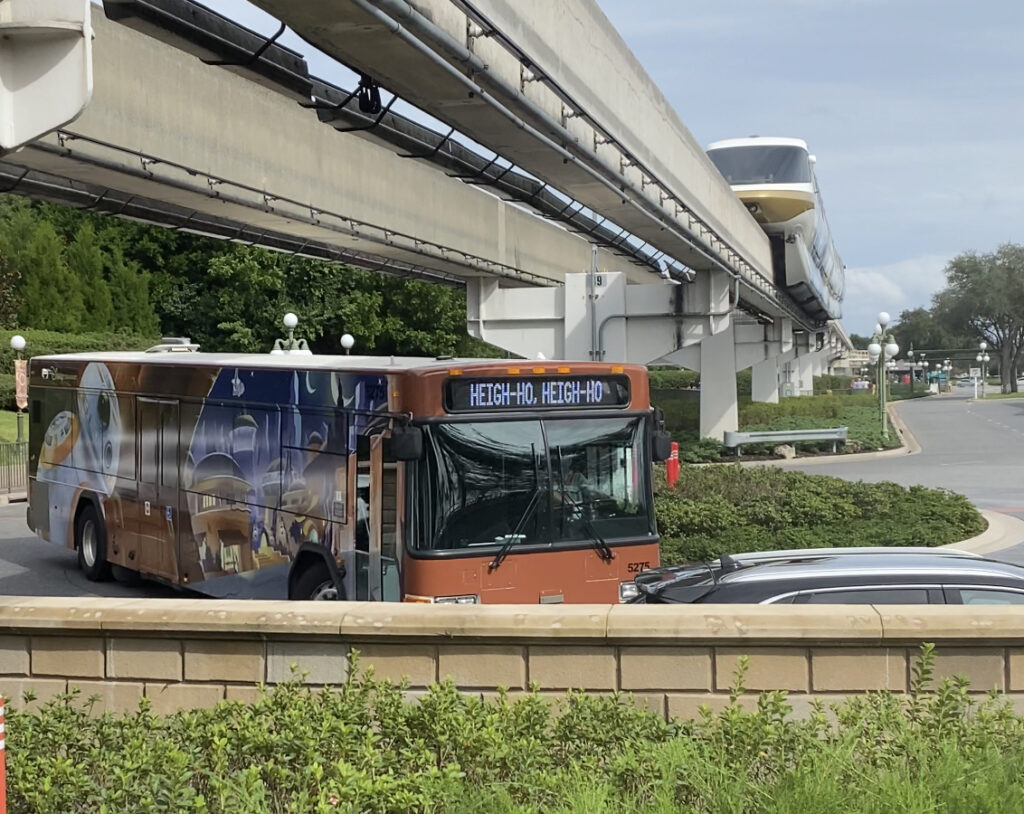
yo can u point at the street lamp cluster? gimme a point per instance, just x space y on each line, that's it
982 359
881 352
300 346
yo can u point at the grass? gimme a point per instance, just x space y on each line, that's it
857 412
9 426
989 396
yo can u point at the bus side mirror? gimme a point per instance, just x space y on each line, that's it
407 443
661 445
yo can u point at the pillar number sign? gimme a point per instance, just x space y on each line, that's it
975 372
21 383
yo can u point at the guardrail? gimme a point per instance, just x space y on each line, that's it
13 467
738 439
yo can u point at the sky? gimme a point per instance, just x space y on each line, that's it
913 108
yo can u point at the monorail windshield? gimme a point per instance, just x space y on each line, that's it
549 482
762 164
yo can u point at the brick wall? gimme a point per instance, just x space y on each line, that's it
191 653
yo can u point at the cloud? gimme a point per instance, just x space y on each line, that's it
893 287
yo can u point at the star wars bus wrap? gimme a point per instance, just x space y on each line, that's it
211 477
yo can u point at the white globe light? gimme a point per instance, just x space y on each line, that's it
983 346
883 318
891 350
874 351
347 341
18 342
978 357
290 320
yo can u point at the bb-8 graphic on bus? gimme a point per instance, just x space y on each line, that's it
81 449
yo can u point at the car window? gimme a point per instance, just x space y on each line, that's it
867 596
990 596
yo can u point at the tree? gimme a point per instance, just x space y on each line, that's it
9 300
49 294
85 260
129 295
984 298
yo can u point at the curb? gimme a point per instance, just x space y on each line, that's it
1004 531
13 497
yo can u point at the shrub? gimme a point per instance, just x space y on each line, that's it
362 747
731 509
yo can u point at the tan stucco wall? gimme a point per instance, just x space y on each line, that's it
190 653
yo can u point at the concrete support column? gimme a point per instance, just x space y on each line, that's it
718 411
765 381
804 369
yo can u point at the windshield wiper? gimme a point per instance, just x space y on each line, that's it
603 549
517 533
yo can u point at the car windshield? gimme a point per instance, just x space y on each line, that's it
550 481
762 165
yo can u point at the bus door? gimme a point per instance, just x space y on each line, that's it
158 488
377 522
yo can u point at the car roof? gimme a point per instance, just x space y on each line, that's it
916 565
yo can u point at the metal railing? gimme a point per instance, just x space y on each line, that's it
737 439
13 467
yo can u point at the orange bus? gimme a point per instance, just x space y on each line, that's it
348 477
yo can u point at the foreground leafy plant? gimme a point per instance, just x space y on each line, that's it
363 747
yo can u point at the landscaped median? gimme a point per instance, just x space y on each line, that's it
864 724
714 510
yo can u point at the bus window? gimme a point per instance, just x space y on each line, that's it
478 480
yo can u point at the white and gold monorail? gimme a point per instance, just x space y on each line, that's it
774 177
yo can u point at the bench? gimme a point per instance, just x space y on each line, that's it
738 439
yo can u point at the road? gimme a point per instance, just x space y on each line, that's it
968 447
32 567
974 448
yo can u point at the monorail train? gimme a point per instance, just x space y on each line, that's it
775 178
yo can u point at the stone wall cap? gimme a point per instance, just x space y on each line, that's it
57 612
918 623
460 621
718 623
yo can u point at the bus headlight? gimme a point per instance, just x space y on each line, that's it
465 599
628 591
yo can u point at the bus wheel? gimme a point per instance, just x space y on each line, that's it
316 583
91 542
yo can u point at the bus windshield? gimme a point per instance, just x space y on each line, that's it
550 481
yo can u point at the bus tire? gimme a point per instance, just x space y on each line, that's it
91 542
315 582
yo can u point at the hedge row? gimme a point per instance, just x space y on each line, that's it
731 509
43 343
361 747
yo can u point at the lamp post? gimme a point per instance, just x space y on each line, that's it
983 358
948 368
20 381
910 362
879 354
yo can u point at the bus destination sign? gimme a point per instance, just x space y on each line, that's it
472 395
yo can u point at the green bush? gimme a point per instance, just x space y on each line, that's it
44 343
731 509
824 385
362 747
672 378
